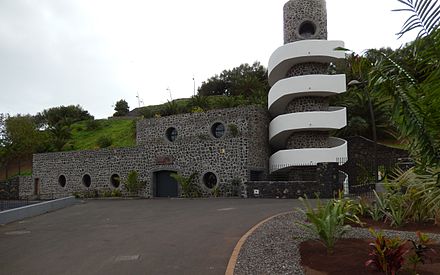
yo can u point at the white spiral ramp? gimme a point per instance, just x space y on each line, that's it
284 90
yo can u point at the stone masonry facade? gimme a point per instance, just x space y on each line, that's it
242 148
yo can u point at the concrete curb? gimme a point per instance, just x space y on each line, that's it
234 256
32 210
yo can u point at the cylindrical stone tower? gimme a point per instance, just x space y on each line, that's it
301 86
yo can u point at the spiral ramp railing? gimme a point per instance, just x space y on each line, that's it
284 90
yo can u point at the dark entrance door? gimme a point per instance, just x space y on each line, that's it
166 186
36 186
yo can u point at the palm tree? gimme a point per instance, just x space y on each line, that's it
415 97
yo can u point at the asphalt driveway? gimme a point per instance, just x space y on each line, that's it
159 236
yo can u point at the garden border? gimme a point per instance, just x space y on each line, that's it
234 256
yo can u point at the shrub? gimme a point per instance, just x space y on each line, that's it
190 189
327 221
421 250
116 193
104 142
233 129
92 125
387 255
132 183
146 112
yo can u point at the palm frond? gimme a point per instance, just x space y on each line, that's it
425 15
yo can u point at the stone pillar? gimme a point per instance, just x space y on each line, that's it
328 179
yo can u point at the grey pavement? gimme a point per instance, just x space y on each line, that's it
158 236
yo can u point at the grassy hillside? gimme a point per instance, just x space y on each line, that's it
86 135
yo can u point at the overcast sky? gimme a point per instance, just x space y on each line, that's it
95 52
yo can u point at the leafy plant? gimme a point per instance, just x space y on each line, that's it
387 255
190 189
132 183
425 15
91 125
215 192
104 142
326 221
421 250
375 212
233 129
116 193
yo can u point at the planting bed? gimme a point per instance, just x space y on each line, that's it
281 246
349 257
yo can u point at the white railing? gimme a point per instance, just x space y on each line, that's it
285 90
288 55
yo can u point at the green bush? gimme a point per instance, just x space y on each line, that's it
190 189
132 183
92 125
327 221
104 142
233 129
116 193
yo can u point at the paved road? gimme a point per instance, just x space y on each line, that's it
158 236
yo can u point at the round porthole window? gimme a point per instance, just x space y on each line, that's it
210 180
62 180
307 29
171 134
218 130
86 180
115 180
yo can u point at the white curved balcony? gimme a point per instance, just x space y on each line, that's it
287 89
310 156
283 126
304 51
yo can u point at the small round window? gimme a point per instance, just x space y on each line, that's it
218 130
86 180
62 180
115 180
307 29
171 134
210 180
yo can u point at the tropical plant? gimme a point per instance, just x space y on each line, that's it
327 220
414 83
190 189
425 16
422 193
387 255
421 250
132 182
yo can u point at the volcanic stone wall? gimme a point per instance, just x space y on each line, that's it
242 148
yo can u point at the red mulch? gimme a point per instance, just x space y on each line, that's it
350 255
422 227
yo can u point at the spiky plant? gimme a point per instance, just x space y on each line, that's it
425 16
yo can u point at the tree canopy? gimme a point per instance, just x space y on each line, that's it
121 108
245 80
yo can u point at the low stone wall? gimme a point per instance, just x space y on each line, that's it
28 211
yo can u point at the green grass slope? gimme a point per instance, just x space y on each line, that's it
86 135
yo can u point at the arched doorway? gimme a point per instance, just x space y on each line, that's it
165 185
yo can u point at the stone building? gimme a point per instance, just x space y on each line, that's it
224 147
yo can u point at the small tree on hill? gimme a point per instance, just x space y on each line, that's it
121 108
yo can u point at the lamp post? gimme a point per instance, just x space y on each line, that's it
373 123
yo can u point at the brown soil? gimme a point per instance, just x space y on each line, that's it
349 258
423 227
350 255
